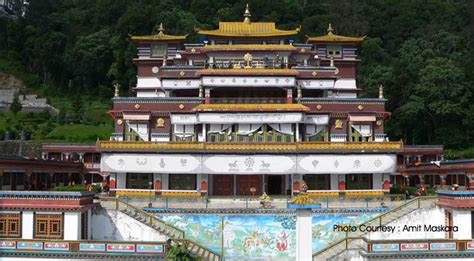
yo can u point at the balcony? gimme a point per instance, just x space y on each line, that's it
248 100
266 147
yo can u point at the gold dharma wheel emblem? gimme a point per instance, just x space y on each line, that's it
182 73
181 106
360 107
119 122
137 106
319 107
248 58
160 123
338 124
193 50
303 50
379 123
314 73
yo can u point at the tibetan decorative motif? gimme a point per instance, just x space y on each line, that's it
119 122
193 50
160 123
137 106
319 107
360 107
181 106
315 73
338 124
182 73
303 50
379 123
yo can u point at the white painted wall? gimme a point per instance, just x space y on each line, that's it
462 219
89 224
377 181
121 180
72 226
115 225
27 220
334 181
304 237
429 216
165 184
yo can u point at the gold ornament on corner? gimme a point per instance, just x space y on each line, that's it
160 123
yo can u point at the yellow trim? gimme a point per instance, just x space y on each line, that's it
323 193
248 29
263 106
134 193
330 37
251 46
158 37
290 147
247 70
180 194
364 193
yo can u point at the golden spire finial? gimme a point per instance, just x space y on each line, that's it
330 30
247 14
380 91
161 29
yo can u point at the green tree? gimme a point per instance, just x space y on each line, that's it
16 106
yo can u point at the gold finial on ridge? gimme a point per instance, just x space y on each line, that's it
380 91
161 29
330 30
247 14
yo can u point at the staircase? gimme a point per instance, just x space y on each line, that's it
169 230
355 240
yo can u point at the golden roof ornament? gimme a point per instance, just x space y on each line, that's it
161 29
117 89
330 30
247 14
380 91
248 58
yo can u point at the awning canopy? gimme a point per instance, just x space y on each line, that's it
366 118
136 117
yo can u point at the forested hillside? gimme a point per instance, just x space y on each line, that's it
419 50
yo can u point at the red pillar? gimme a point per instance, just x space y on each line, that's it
289 95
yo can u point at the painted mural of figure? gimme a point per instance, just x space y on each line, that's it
282 241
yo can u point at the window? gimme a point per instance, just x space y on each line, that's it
317 182
159 49
334 51
139 181
182 181
49 226
358 181
10 225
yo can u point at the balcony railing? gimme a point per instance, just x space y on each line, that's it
247 100
226 146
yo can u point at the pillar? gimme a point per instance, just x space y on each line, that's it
443 179
297 131
165 181
27 225
422 179
207 96
386 181
470 176
89 224
72 225
304 237
113 180
341 182
157 184
289 95
204 183
81 157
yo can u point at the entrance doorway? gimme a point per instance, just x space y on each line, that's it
223 185
274 183
249 185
